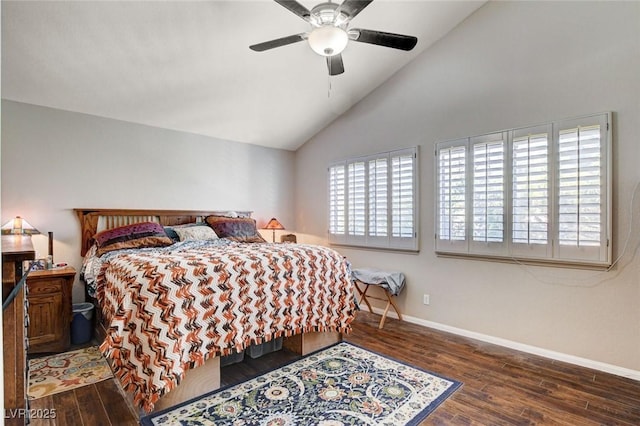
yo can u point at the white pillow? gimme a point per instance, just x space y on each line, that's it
196 233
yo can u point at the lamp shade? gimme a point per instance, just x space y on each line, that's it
328 40
18 226
273 224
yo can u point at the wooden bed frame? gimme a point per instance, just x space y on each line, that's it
207 377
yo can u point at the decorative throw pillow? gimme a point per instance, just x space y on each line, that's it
201 232
138 235
171 230
241 229
171 233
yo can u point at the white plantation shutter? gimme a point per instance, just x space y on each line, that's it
356 199
403 199
582 185
451 205
488 193
380 200
337 209
579 186
538 193
530 192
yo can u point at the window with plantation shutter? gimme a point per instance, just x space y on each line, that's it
380 193
378 197
452 213
582 184
337 199
530 191
579 187
538 193
356 212
403 199
488 193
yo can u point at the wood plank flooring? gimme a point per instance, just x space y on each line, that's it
500 386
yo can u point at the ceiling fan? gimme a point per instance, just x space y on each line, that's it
330 31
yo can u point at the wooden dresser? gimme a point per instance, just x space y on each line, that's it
15 249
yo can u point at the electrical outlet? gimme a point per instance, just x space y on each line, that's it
425 299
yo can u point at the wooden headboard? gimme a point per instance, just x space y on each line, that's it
113 218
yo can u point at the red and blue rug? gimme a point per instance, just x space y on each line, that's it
340 385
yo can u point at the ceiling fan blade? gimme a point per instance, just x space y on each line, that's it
396 41
261 47
335 65
352 7
296 8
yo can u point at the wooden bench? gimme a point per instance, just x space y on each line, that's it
368 277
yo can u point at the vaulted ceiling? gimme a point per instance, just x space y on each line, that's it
187 66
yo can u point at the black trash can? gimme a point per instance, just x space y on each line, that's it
81 324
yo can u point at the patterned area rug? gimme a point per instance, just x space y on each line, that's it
69 370
341 385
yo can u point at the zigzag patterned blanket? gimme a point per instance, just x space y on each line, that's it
168 312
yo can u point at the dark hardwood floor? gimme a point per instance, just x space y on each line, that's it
500 386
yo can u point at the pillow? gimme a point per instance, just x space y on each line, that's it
232 214
171 230
239 228
138 235
200 232
171 233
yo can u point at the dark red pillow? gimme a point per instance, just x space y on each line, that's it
241 229
138 235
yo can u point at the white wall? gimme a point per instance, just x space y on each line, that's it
510 64
54 161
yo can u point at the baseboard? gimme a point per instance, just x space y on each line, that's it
558 356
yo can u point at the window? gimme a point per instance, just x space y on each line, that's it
452 194
337 200
541 193
373 201
530 192
487 192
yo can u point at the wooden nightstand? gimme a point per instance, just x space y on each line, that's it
50 309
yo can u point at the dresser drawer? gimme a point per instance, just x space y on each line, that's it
49 286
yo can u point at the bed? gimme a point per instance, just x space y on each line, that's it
168 310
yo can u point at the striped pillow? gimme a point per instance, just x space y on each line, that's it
138 235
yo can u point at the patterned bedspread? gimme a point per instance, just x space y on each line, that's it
168 311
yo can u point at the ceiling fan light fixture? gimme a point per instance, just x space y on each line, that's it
328 40
330 31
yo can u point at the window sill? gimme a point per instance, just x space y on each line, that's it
556 263
373 248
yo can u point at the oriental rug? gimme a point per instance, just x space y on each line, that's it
340 385
52 374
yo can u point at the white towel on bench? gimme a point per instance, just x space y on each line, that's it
390 280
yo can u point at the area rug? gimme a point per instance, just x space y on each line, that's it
69 370
341 385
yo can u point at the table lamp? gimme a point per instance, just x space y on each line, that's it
18 226
273 224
